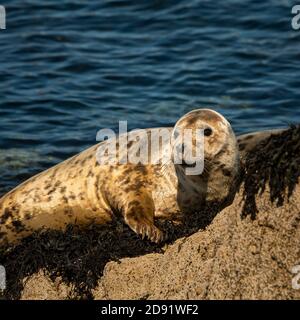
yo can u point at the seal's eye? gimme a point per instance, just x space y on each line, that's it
207 132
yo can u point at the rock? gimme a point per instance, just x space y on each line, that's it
40 287
234 258
239 255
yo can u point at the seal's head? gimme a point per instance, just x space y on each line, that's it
202 135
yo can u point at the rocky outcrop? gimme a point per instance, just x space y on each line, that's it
234 258
250 249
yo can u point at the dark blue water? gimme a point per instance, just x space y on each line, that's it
69 68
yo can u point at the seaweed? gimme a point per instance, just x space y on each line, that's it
78 256
274 162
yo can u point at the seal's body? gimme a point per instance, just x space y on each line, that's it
82 191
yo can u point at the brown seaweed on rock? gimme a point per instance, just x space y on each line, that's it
275 162
79 256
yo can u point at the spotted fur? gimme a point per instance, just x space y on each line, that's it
82 191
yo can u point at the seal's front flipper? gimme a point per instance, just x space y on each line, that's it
139 216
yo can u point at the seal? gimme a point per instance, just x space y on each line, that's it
83 191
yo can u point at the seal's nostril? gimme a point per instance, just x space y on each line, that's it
207 132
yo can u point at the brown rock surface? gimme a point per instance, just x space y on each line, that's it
234 258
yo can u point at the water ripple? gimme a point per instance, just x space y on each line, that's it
69 68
